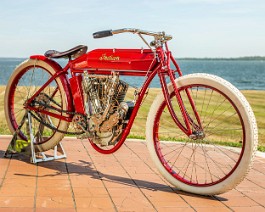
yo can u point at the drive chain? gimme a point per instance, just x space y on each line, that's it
50 126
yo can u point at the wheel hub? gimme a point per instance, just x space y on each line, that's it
197 135
44 100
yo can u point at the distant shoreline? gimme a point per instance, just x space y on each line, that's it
245 58
256 58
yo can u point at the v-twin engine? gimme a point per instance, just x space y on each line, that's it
107 112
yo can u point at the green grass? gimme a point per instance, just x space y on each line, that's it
186 140
256 99
261 148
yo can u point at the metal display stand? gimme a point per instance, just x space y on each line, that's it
42 157
35 157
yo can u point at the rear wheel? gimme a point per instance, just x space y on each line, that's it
27 78
219 156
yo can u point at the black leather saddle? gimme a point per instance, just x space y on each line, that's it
70 54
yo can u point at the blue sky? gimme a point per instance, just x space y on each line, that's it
200 28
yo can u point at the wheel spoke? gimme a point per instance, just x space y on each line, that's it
201 161
25 84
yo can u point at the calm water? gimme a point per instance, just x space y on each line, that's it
245 75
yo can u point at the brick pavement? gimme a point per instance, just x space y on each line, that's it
124 181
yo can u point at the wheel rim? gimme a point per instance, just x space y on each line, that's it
24 85
109 149
207 161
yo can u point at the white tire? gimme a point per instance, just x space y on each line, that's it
24 81
208 165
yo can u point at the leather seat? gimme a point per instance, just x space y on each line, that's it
70 54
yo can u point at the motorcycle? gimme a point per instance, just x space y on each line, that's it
200 131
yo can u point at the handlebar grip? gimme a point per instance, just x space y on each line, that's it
102 34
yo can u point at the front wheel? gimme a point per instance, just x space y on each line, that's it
217 161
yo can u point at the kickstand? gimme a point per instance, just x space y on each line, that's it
35 157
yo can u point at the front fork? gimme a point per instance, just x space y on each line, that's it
191 128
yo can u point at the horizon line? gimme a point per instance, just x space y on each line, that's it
182 58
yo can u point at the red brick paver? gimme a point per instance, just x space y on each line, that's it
124 181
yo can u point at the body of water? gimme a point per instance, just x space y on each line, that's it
244 74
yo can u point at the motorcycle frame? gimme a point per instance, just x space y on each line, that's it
160 66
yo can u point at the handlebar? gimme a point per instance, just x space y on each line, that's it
102 34
157 35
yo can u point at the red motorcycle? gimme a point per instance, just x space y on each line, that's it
200 131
